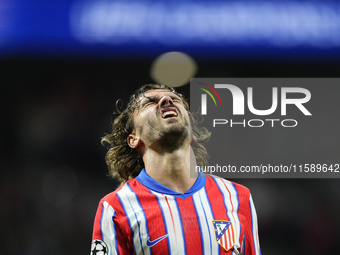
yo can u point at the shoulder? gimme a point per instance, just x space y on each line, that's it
230 186
114 197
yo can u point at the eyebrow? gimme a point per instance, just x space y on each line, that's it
157 97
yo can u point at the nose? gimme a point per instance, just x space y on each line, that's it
165 100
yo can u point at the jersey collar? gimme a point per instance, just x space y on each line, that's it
152 184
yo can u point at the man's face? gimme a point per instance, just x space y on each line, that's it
161 118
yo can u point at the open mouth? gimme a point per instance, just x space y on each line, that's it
169 112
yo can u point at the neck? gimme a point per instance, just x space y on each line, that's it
175 170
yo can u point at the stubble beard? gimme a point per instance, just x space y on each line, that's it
171 137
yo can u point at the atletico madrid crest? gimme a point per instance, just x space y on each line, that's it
224 233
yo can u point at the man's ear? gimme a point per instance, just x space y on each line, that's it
133 141
194 139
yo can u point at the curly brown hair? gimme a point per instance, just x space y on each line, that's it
124 162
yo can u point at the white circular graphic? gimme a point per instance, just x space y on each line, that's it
98 247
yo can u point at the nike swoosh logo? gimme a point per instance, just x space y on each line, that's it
152 243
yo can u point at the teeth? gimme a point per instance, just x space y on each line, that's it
169 113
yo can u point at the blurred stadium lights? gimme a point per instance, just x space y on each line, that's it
282 24
121 27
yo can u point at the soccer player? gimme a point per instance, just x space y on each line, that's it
163 205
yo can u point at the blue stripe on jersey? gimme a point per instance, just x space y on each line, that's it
252 225
121 202
180 219
154 185
101 221
140 238
164 221
206 220
229 214
115 233
244 244
199 222
142 209
238 207
224 199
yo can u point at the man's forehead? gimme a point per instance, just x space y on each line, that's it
157 92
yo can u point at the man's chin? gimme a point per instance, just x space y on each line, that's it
174 136
174 127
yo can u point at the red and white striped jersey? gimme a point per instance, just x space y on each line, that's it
144 217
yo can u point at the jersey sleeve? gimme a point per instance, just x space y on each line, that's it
251 244
107 236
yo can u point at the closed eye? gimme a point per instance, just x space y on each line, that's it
148 101
154 100
176 99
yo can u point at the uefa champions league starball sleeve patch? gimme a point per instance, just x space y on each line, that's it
98 247
224 233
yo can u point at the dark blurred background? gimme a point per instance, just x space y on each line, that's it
65 63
